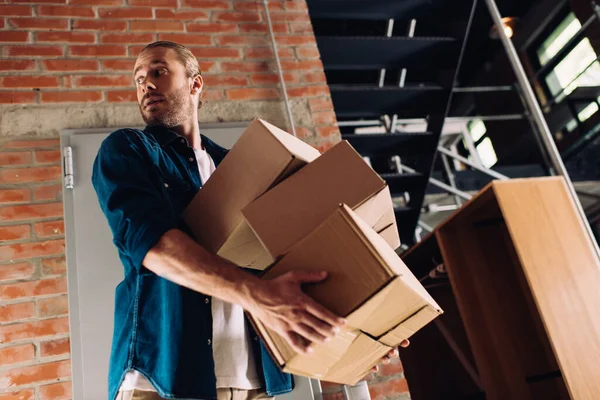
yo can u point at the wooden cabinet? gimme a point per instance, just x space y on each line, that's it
521 295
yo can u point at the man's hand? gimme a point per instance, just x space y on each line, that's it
391 355
282 306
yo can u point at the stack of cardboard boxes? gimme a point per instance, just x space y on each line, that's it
276 204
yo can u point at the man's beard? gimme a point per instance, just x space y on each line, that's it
178 109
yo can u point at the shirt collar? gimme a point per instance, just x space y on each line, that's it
163 135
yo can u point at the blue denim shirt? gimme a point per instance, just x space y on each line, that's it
144 180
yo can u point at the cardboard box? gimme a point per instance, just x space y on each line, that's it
263 156
367 283
293 209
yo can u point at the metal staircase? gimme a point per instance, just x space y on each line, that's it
382 64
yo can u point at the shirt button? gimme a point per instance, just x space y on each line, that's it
209 342
191 159
166 185
206 300
182 141
255 337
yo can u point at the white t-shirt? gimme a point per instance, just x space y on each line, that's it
235 366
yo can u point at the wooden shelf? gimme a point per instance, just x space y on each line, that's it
525 282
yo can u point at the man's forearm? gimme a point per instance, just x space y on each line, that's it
180 259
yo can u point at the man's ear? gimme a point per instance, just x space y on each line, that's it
197 84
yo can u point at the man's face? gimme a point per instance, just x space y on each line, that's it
164 91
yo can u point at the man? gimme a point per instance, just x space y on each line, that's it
180 330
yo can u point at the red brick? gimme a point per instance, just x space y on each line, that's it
127 38
103 80
96 51
291 17
333 396
39 23
17 354
19 251
65 37
97 2
130 13
56 391
17 65
15 158
187 39
43 287
71 97
70 65
118 65
207 66
53 306
14 195
327 131
40 1
262 28
324 118
207 4
252 94
300 27
31 144
295 40
215 52
308 91
177 15
49 228
32 330
393 368
29 81
257 40
331 386
307 53
293 5
121 96
135 50
16 312
55 347
21 270
51 192
33 174
12 36
257 6
387 389
326 145
206 27
25 394
304 133
267 53
225 80
14 232
320 104
247 66
17 97
154 3
21 11
87 24
47 156
304 65
314 77
156 26
34 374
236 16
265 79
54 266
51 51
62 11
31 211
212 94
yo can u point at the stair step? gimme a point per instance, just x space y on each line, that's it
363 101
364 52
400 183
389 144
368 9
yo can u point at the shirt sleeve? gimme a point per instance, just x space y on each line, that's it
136 209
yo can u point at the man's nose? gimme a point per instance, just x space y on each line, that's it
148 86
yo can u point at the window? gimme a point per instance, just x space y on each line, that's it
578 68
483 144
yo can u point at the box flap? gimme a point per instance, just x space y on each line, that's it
339 247
411 325
378 212
387 308
244 249
243 175
357 361
390 235
287 213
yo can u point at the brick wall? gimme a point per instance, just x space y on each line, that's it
67 64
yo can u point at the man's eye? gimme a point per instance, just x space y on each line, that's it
161 71
139 80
